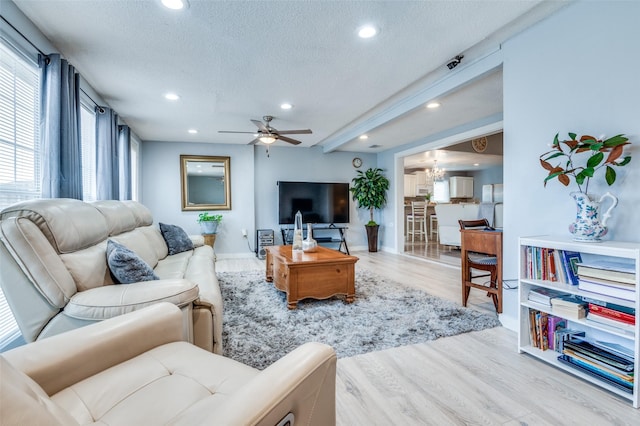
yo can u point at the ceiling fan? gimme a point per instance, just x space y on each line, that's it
268 135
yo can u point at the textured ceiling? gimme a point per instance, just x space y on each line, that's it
231 61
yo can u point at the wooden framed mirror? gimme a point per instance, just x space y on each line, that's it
206 182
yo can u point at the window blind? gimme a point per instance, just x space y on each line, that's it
19 128
19 148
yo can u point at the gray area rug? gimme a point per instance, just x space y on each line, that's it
259 329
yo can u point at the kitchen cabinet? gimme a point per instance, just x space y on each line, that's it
460 187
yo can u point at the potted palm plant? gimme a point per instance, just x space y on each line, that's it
369 190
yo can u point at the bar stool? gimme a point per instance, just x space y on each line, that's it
418 217
433 226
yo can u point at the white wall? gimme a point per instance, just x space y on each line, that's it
574 72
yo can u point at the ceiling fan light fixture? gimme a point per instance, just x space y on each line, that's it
268 139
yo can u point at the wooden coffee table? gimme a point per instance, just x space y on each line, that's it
318 275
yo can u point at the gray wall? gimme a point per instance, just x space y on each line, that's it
575 72
161 189
254 193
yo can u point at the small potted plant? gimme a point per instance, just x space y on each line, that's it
370 192
209 223
580 159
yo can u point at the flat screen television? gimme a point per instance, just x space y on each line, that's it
319 202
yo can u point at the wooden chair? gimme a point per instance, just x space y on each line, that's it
473 259
418 217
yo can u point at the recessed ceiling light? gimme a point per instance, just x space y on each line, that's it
476 164
171 96
363 137
175 4
367 31
286 106
192 131
432 105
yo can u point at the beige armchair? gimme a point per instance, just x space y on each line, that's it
136 369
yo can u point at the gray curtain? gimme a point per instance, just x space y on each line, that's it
107 159
60 128
124 148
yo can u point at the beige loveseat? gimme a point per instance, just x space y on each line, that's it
136 370
54 272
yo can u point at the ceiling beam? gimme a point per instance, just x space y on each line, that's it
452 82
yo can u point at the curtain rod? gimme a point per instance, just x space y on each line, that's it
23 36
41 52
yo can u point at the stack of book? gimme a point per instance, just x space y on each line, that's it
609 362
542 263
569 306
543 295
612 314
613 278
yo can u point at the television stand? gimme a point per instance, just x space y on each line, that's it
325 235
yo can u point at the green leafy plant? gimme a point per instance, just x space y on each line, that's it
566 152
206 217
370 191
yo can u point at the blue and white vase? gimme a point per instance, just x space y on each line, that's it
588 227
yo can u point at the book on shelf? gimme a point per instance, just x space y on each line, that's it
627 376
543 295
560 271
615 348
540 334
609 283
565 359
570 259
577 312
569 300
612 313
554 324
587 349
608 269
599 288
616 306
599 319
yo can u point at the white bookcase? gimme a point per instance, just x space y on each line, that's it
623 250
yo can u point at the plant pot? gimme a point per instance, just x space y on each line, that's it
208 227
372 237
589 226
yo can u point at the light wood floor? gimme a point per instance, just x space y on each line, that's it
472 378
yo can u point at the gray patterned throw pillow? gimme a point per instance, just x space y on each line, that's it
125 266
177 240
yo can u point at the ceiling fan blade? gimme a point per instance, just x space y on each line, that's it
286 139
260 125
253 142
231 131
295 132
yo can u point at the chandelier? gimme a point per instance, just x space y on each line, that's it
435 173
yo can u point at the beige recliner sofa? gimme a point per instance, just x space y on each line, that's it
136 370
55 276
